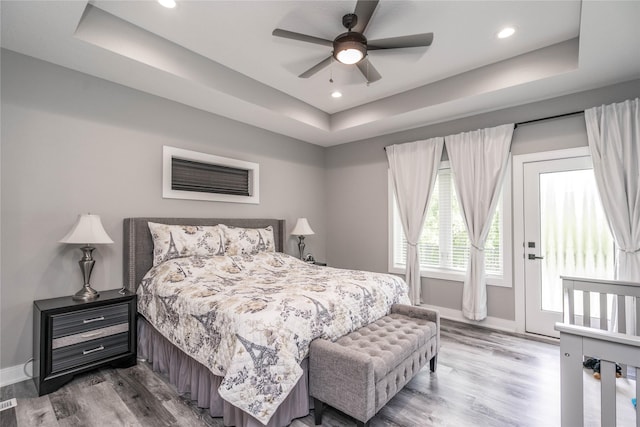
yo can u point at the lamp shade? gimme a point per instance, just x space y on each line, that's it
88 229
302 228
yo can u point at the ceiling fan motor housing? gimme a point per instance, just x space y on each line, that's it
349 21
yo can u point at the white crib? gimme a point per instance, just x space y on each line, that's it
578 341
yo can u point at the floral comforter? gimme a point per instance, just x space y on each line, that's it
250 319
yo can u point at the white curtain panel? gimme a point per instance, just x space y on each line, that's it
478 161
414 167
614 141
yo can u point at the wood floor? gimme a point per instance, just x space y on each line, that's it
484 378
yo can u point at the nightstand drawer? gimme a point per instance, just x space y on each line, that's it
89 335
87 352
87 320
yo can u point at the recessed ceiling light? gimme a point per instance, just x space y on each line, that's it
169 4
336 94
506 32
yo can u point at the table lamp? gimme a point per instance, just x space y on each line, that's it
87 230
302 229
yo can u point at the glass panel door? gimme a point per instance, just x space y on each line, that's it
566 234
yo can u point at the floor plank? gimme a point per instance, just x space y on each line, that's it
35 411
8 418
146 406
484 378
97 406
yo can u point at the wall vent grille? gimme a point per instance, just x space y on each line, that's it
187 175
199 176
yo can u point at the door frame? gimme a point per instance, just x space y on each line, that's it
518 222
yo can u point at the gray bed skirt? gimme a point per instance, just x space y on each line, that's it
190 376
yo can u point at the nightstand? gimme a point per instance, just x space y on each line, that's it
71 337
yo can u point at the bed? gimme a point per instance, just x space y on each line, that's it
233 329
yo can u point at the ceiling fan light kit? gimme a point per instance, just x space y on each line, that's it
351 48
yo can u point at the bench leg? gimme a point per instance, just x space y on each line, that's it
433 363
318 409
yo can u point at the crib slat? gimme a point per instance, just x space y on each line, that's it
637 395
637 315
571 302
622 316
586 305
622 324
608 393
603 312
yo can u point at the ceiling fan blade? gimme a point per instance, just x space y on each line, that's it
415 40
301 37
364 11
319 66
368 71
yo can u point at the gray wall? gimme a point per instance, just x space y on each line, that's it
357 192
73 144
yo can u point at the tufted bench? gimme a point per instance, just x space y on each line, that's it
360 372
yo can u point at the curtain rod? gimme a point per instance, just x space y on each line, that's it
574 113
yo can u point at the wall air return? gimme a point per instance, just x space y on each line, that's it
199 176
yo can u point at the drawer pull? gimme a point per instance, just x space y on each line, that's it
93 350
95 334
95 319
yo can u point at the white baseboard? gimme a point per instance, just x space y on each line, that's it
489 322
12 375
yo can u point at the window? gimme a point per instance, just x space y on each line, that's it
444 243
199 176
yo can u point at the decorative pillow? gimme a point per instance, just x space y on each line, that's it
173 241
239 241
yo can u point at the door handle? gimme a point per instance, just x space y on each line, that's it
533 256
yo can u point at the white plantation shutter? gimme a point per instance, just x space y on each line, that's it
444 243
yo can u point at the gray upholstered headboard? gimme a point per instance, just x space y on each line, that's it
138 245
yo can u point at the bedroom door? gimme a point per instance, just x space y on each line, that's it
565 234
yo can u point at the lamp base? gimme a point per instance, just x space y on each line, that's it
87 293
301 246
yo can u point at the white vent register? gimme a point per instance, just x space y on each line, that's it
8 404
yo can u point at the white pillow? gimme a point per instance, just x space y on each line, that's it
248 241
173 241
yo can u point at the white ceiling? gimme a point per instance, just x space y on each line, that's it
220 56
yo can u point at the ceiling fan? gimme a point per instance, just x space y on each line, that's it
352 47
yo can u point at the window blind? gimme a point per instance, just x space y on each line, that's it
444 242
188 175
